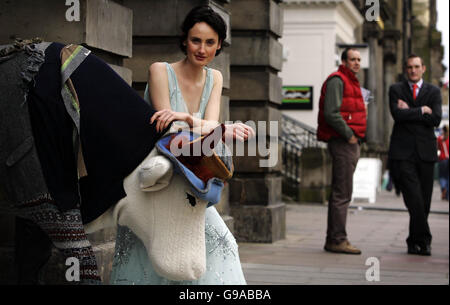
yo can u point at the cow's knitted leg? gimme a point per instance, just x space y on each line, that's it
66 231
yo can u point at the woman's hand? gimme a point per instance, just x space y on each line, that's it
239 131
166 116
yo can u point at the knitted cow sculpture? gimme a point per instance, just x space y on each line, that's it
166 213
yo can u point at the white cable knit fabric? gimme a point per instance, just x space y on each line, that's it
158 210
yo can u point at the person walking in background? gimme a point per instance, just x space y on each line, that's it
342 123
416 108
443 162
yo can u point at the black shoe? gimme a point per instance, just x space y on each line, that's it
419 250
413 249
425 250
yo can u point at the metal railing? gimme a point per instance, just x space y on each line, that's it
295 136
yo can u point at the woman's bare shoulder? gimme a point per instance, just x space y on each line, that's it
157 72
217 75
157 67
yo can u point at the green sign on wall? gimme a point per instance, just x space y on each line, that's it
297 97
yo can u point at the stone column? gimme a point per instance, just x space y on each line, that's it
372 34
255 95
390 73
104 27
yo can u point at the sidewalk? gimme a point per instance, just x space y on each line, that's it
390 202
379 230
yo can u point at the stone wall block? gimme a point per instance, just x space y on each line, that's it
125 73
255 86
146 54
257 50
267 161
164 18
259 115
263 15
224 109
222 63
265 224
255 191
109 27
103 24
315 175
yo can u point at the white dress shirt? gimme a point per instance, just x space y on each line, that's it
419 86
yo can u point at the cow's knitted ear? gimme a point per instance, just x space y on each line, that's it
155 174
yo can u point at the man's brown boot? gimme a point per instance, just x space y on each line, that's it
343 247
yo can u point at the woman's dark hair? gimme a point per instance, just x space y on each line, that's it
203 13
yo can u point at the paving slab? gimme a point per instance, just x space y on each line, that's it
379 230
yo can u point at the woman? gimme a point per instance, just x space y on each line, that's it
189 92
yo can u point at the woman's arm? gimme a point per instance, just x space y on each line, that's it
212 111
237 131
158 84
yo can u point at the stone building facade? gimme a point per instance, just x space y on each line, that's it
310 26
404 27
401 27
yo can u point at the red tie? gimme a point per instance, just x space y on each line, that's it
414 91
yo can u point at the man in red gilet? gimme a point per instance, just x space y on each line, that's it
342 123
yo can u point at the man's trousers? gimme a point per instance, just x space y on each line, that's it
415 179
344 159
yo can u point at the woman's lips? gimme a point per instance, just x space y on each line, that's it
200 57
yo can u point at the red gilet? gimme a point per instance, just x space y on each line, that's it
443 148
353 110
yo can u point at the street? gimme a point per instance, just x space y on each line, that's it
379 230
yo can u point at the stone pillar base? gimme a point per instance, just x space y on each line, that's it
229 221
253 223
53 273
55 270
103 243
314 194
315 175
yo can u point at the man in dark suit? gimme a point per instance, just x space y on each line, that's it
416 108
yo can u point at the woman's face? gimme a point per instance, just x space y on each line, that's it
201 44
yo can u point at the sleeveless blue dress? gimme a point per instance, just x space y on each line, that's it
131 265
